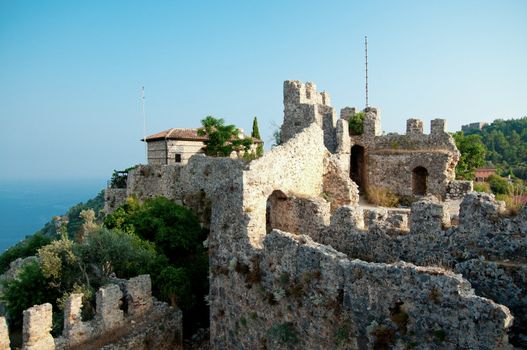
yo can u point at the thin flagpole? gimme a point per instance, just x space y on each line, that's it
144 122
366 59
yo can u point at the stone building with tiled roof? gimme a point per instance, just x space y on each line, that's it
175 146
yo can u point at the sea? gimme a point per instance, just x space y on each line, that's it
26 205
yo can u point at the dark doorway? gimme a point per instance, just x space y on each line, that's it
274 212
419 176
357 166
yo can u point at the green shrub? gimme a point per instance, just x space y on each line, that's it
27 247
498 184
30 288
356 124
482 187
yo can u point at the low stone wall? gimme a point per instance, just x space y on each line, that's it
298 294
488 247
143 324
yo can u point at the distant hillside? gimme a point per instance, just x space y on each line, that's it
73 218
506 144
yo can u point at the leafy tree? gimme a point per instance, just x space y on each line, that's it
498 184
27 247
506 143
256 134
106 252
30 288
356 124
176 233
472 156
222 139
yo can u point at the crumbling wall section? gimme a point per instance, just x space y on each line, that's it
391 159
113 199
488 247
146 324
304 106
310 296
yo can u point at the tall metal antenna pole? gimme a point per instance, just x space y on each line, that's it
366 56
144 122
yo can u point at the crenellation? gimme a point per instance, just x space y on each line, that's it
372 122
37 327
139 289
110 329
437 126
414 127
109 302
347 112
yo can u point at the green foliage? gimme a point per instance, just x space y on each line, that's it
222 139
107 252
356 124
177 235
256 131
256 134
27 247
498 184
277 136
119 178
482 187
30 288
176 286
284 333
506 143
472 157
173 228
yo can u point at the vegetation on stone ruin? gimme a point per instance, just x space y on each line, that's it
119 177
472 156
177 236
256 134
222 139
157 237
381 196
356 124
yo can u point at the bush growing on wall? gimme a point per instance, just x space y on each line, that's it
356 124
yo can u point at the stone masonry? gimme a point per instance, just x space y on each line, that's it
296 263
144 324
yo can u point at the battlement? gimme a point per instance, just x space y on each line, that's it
124 317
296 92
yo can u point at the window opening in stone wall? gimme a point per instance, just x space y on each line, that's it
357 167
419 177
178 158
273 210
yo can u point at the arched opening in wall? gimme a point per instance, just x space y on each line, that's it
357 166
276 204
419 177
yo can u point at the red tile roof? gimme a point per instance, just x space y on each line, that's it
177 134
181 134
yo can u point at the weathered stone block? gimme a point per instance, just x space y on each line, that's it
36 328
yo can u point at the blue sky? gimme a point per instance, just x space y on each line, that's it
71 71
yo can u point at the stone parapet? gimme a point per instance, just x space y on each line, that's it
111 328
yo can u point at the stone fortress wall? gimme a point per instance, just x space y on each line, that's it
126 318
296 263
387 161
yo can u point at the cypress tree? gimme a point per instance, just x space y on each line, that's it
256 130
256 134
